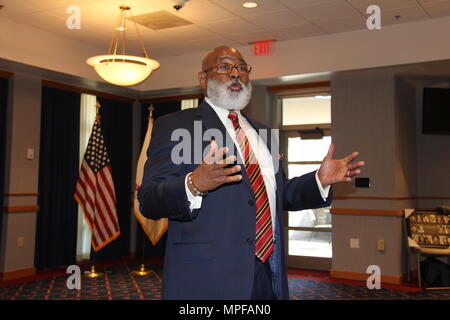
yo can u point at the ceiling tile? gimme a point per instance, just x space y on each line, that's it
277 19
203 12
232 26
172 50
246 38
362 5
48 4
328 11
190 32
293 4
304 31
206 45
137 6
437 9
236 7
14 8
429 1
406 15
342 25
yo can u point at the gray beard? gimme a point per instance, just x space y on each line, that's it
221 96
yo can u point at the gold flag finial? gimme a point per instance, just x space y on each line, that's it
151 108
97 106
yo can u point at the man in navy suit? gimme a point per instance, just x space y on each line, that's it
214 173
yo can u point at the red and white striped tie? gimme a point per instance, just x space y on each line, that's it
264 233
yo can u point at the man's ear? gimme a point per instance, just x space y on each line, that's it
202 79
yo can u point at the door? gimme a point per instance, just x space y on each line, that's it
306 137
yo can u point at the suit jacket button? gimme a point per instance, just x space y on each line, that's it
249 241
251 203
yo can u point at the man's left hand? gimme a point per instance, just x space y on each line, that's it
338 170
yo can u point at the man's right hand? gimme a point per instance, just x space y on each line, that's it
212 172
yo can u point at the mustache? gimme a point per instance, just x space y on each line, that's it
235 82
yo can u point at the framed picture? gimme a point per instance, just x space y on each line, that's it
428 228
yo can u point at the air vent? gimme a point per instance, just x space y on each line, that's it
160 20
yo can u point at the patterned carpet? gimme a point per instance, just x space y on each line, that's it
119 284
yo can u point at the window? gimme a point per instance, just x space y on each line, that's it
189 103
306 123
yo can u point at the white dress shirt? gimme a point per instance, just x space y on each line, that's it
262 154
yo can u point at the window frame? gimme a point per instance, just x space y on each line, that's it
286 131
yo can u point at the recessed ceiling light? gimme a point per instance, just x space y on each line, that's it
249 5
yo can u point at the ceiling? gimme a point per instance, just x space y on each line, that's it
216 22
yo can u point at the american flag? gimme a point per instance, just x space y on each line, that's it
95 191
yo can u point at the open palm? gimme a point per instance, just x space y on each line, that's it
338 170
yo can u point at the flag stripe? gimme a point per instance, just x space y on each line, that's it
95 191
108 200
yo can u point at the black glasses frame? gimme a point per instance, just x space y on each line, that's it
231 70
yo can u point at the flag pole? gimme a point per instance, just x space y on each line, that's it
143 271
93 273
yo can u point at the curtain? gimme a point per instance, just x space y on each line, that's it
56 232
116 122
3 105
87 119
147 249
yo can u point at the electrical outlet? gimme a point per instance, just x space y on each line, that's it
20 242
30 153
380 244
354 243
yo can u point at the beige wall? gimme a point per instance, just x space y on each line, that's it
21 174
378 113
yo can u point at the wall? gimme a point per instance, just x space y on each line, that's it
378 113
433 154
259 107
363 112
21 175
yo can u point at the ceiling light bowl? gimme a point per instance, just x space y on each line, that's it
250 5
123 70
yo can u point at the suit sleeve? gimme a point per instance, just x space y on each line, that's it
162 192
302 193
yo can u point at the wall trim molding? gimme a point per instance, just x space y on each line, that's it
16 209
368 212
17 274
199 96
22 194
363 276
6 74
300 89
68 87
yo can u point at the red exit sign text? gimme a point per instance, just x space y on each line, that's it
261 48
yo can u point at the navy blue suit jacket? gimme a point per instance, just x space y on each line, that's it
210 251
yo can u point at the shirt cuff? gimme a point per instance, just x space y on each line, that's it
194 202
323 191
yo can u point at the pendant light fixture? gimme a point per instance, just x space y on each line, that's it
119 68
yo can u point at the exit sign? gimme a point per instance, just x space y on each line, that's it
262 48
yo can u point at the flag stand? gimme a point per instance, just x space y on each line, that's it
93 273
142 271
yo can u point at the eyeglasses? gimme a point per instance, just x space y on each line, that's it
227 68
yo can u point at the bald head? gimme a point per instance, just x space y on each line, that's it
220 54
